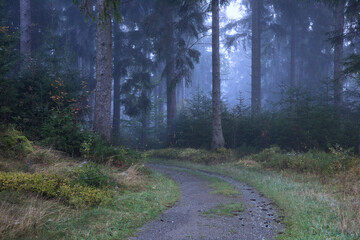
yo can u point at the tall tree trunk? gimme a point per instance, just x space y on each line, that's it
256 57
25 29
117 78
161 104
217 134
293 54
145 116
182 93
170 79
338 55
102 114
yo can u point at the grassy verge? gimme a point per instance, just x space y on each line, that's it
129 211
46 195
313 210
217 185
228 210
140 198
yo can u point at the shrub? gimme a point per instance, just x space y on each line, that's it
54 186
90 174
318 162
96 149
62 131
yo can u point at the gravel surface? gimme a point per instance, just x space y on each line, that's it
186 220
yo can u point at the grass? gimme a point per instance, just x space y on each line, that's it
137 196
129 211
218 186
22 214
228 210
29 217
312 209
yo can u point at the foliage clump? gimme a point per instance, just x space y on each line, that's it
13 143
318 162
90 175
94 148
54 186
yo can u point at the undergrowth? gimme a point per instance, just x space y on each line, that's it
45 194
194 155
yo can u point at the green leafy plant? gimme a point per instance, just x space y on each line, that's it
90 174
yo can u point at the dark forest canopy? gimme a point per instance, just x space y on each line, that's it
155 73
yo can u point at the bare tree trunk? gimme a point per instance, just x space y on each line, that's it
102 114
338 55
117 82
170 79
256 58
293 54
161 104
217 134
25 29
180 94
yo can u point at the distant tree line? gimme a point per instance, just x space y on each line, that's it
125 70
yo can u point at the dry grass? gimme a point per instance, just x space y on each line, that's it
130 178
348 188
24 215
248 163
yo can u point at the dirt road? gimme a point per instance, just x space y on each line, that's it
187 219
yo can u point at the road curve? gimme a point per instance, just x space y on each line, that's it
186 220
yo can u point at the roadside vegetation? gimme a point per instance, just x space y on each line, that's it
46 194
317 191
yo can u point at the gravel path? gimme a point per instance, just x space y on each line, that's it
186 219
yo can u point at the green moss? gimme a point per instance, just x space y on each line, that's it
13 143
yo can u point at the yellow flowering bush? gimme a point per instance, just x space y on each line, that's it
54 186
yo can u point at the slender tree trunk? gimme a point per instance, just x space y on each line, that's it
338 55
170 79
217 134
145 116
161 104
293 54
256 58
25 29
102 114
182 93
117 83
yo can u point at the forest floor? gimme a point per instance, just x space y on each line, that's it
213 207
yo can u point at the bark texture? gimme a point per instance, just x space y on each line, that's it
338 54
117 82
170 79
217 134
256 57
161 97
102 114
25 28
